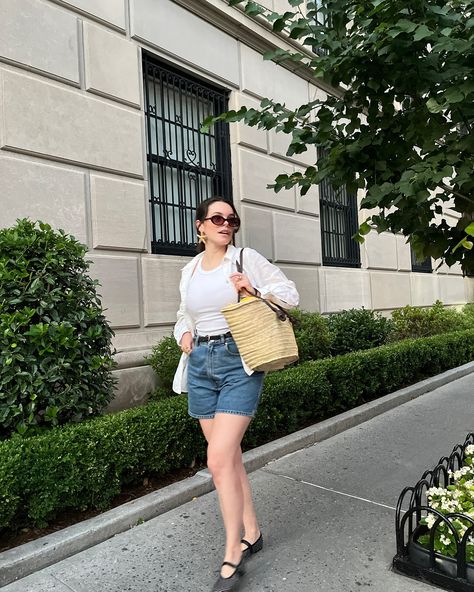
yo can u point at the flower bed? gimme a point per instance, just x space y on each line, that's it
435 536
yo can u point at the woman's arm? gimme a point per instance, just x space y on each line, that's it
181 326
269 280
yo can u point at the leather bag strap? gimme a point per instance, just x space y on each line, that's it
280 312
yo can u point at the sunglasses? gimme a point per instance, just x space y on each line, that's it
218 220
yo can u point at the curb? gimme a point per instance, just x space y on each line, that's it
24 560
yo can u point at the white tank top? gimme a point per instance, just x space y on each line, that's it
208 292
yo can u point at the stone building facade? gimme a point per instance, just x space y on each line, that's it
92 129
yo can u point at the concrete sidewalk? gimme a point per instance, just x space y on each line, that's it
327 513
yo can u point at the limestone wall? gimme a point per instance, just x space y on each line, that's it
73 153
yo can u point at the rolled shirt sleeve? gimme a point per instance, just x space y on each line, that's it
269 280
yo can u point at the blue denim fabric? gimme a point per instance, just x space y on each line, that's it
218 383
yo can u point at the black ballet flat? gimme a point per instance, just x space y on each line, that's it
224 584
252 548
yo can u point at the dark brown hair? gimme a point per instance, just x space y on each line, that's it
203 208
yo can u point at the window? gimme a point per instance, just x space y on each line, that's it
338 214
321 20
422 266
185 166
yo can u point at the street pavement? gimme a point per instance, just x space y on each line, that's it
327 513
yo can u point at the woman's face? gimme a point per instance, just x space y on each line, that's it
218 235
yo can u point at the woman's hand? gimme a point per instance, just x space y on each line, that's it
186 343
242 283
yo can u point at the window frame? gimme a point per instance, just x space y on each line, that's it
164 170
425 266
328 203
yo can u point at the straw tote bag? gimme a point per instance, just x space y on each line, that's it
262 331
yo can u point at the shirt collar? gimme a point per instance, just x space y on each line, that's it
230 255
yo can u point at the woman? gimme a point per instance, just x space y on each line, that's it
223 393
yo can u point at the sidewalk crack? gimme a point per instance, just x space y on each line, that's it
362 499
61 582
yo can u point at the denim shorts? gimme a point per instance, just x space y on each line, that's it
218 383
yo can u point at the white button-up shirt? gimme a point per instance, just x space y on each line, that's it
267 278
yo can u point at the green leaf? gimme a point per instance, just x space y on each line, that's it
434 106
422 32
406 26
453 95
470 229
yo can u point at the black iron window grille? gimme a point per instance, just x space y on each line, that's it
185 166
322 19
339 223
422 266
427 563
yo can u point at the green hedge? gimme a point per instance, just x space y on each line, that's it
85 465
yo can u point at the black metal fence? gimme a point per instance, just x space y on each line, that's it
426 563
185 165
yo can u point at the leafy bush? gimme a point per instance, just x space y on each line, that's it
312 335
164 360
55 343
468 312
84 465
422 322
357 329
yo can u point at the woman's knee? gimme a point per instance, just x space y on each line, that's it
220 462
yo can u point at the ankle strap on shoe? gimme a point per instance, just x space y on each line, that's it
230 564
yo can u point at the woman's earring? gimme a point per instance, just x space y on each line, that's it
202 237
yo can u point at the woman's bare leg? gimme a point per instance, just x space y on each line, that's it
250 525
225 464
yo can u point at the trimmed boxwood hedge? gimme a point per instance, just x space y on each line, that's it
85 465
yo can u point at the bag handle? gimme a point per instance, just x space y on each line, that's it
280 312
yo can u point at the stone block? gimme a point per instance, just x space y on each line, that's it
257 228
41 36
452 289
296 238
127 340
133 387
111 64
49 193
469 289
111 12
119 291
118 214
390 290
314 92
258 76
307 283
161 276
46 119
309 203
242 133
424 289
342 288
403 254
179 32
281 6
292 90
381 250
279 143
256 171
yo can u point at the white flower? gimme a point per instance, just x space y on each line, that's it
430 520
469 450
445 540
